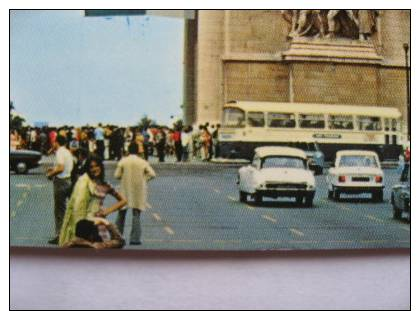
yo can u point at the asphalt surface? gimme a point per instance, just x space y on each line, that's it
195 206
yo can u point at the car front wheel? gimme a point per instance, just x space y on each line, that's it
243 196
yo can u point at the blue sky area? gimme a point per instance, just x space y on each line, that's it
71 69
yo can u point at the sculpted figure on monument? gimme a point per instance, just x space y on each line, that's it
349 24
367 23
305 23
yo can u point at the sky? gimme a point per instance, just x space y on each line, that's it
68 69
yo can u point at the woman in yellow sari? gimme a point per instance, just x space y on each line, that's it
87 199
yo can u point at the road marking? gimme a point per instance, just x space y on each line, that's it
40 185
23 186
24 195
375 241
156 216
306 242
345 208
297 232
216 190
232 198
348 241
252 208
405 228
12 214
169 230
227 241
269 218
371 217
19 203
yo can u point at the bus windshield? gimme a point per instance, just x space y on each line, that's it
283 162
353 161
233 117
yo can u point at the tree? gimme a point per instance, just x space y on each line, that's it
16 122
145 122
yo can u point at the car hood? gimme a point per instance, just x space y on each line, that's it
25 152
357 171
293 175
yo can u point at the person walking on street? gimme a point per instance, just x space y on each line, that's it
134 173
160 144
99 138
61 175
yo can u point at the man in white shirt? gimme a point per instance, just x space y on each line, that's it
61 175
134 173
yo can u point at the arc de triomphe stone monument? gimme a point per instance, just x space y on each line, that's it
320 56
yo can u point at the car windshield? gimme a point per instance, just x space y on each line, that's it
283 162
355 160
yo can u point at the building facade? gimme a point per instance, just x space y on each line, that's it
302 56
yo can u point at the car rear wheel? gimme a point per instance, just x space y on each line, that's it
258 198
336 194
309 201
21 168
330 194
397 213
299 200
243 196
378 196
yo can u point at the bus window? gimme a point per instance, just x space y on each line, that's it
233 117
281 120
369 123
394 125
338 122
386 123
256 119
315 121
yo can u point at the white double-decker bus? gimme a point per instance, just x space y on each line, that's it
247 125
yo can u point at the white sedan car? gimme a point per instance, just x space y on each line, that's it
277 172
356 171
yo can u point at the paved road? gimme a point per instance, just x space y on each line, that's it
195 207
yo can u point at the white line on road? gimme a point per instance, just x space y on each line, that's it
216 190
297 232
371 217
23 186
246 205
269 218
12 214
169 230
156 216
19 203
345 208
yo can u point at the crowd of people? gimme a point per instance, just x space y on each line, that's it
111 142
80 189
78 174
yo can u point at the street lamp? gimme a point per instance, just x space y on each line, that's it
407 76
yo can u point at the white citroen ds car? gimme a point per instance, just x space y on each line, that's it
277 172
356 171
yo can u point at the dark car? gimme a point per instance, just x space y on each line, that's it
23 160
401 197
